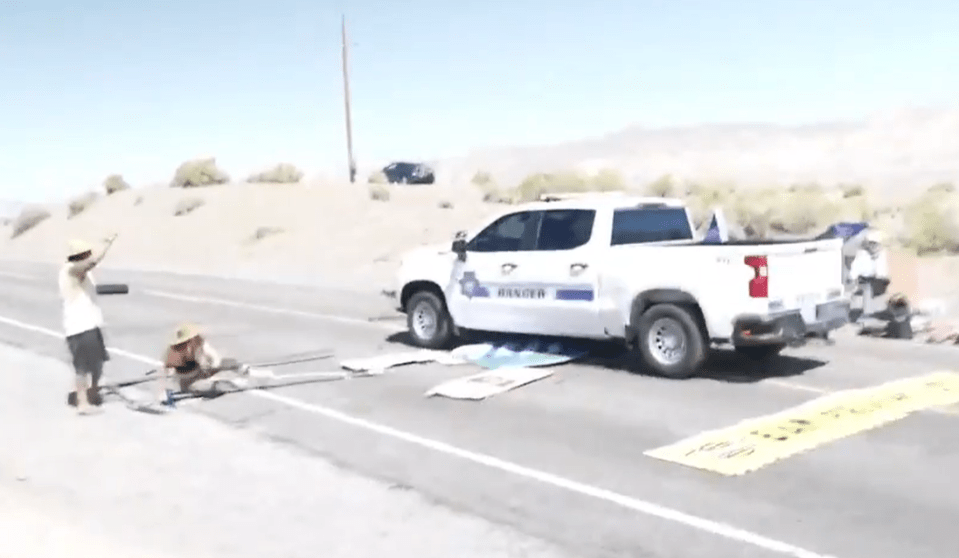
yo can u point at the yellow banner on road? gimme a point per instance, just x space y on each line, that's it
757 442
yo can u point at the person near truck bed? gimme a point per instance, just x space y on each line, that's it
870 271
83 319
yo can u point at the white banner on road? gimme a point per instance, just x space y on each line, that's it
382 362
486 384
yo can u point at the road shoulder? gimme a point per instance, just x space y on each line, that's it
186 485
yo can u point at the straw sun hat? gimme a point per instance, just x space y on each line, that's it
184 332
76 247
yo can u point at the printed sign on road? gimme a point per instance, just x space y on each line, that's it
755 443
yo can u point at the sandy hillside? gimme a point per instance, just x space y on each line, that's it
892 152
329 231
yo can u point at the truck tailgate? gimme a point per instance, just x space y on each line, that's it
806 273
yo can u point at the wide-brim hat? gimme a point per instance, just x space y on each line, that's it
76 247
184 332
873 235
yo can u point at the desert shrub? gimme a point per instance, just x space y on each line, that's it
492 194
445 204
806 188
187 205
482 178
264 232
855 208
379 192
378 177
607 180
803 211
565 182
931 226
753 210
942 188
199 172
853 191
283 173
663 187
29 218
138 201
80 204
535 185
115 183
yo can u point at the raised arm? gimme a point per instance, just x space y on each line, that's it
81 268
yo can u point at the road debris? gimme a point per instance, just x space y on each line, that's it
534 353
380 363
487 384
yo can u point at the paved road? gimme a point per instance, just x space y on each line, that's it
562 459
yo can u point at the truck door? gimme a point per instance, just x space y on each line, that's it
475 290
562 269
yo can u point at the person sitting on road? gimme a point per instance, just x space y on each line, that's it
194 362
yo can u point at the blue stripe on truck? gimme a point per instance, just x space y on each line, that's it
584 295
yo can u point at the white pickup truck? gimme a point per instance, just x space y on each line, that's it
623 268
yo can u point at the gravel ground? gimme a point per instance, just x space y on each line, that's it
121 483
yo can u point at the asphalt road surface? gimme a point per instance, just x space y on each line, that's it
562 459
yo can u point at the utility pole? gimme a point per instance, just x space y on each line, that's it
346 102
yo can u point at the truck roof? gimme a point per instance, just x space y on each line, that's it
613 200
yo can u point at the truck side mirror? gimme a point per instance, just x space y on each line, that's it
459 248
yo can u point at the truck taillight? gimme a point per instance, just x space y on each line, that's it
759 284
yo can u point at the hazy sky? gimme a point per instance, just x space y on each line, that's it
93 87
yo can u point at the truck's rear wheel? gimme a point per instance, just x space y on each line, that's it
671 342
428 321
761 352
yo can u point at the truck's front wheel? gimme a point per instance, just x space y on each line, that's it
428 321
671 342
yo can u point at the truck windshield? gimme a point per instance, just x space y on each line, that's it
639 225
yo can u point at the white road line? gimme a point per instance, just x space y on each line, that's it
15 275
272 309
795 386
627 502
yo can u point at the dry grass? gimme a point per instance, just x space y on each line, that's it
29 218
482 178
78 205
445 204
265 232
187 205
379 192
930 223
378 177
283 173
115 183
663 187
198 173
566 182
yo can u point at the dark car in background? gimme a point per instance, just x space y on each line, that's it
409 173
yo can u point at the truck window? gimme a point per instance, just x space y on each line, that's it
510 233
639 225
565 229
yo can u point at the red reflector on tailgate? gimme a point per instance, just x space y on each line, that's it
759 284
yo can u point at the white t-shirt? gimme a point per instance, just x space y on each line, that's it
80 310
867 265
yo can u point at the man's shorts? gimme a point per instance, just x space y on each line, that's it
88 351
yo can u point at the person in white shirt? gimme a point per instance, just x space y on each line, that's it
870 269
83 319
